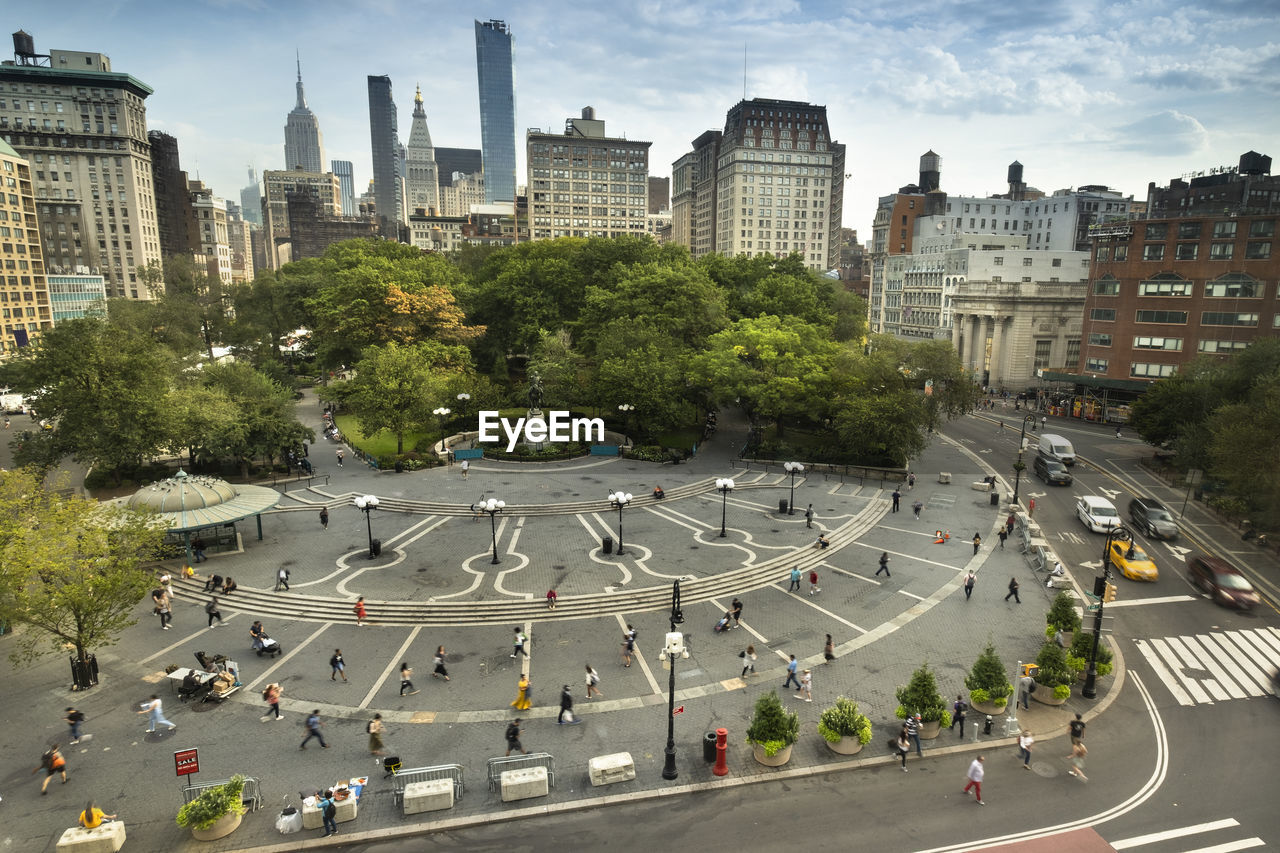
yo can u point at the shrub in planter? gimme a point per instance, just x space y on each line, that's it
988 677
1062 615
921 696
213 804
772 727
843 719
1054 671
1078 654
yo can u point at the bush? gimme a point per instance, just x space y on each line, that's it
772 727
989 677
1078 654
1053 666
843 719
1062 614
921 696
213 804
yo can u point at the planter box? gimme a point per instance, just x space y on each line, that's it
930 729
846 746
989 708
226 825
1044 695
778 759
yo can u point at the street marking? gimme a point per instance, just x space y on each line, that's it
183 641
386 673
638 658
829 614
1164 599
910 595
1241 663
283 659
1243 844
1191 687
1182 646
1152 838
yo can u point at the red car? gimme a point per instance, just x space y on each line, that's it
1224 584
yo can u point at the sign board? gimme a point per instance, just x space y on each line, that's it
186 761
1194 476
679 710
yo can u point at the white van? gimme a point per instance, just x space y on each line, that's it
1057 447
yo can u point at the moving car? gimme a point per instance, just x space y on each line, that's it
1133 562
1153 518
1224 584
1097 514
1051 471
1057 447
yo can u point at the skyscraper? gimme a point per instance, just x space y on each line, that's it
421 188
347 182
303 142
251 199
496 75
385 141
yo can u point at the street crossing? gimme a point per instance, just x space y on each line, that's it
1220 666
1177 839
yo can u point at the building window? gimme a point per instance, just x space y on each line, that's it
1227 318
1153 252
1262 228
1057 262
1257 251
1043 351
1224 230
1122 253
1073 352
1106 286
1026 262
1107 315
1189 230
1172 317
1097 339
1165 285
1104 254
1151 371
1234 285
1223 346
1171 344
1096 365
998 261
1157 231
1221 251
1187 251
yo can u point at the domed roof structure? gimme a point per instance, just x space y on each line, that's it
189 502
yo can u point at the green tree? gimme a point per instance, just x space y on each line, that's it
196 413
1242 449
266 424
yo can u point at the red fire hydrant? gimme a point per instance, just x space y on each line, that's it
722 748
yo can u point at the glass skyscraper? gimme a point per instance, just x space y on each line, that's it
346 181
387 191
496 74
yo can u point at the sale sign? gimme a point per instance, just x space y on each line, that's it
186 761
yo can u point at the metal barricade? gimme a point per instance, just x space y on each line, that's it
251 793
401 778
520 762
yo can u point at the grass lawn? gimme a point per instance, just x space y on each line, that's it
382 444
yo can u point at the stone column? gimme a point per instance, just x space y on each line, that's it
956 320
997 351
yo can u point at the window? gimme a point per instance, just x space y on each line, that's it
1152 371
1097 339
1234 285
1157 231
1175 317
1223 230
1221 251
998 261
1104 254
1073 352
1262 228
1057 262
1227 318
1171 344
1153 252
1026 262
1223 346
1257 251
1096 365
1122 253
1187 251
1043 351
1107 315
1189 230
1165 284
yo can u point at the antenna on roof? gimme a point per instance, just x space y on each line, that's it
744 71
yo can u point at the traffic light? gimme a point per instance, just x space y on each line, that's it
1099 586
1110 594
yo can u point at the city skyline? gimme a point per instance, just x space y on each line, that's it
1082 94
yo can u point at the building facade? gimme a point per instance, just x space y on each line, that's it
251 199
385 140
464 192
693 195
83 130
315 224
345 173
207 230
422 186
275 208
659 195
240 242
169 187
303 142
24 289
436 233
583 183
74 297
495 73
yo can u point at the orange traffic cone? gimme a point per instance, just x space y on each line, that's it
937 538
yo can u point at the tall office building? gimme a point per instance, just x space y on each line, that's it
251 199
169 185
347 182
303 142
693 202
385 141
83 130
422 190
277 236
24 289
496 75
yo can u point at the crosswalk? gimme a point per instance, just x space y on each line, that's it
1177 839
1220 666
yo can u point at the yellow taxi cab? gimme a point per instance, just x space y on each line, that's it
1133 562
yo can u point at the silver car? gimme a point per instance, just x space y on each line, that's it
1153 518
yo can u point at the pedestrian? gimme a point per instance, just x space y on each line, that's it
1008 524
522 701
916 507
166 583
1076 729
361 613
212 584
736 608
375 735
795 580
466 466
1044 422
211 608
551 599
1002 534
329 812
884 564
1078 752
282 579
829 650
897 497
75 719
271 695
566 708
324 517
312 727
1013 590
93 817
337 666
593 682
440 671
969 580
629 645
958 708
406 676
977 543
913 732
154 708
1031 508
51 761
902 746
1025 742
823 542
518 640
813 582
1117 432
806 686
258 637
513 737
197 547
229 585
1026 686
975 774
339 457
748 656
808 516
163 609
911 480
791 674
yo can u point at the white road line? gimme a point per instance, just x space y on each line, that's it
183 641
1197 645
391 667
1247 680
910 595
1151 650
1178 653
849 574
1271 637
1164 599
1152 838
638 658
1257 656
285 658
1243 844
829 614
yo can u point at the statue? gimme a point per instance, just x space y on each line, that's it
535 391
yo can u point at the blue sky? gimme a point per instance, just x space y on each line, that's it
1116 93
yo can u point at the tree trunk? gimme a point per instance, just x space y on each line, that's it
400 442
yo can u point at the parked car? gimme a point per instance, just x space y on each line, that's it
1222 581
1097 514
1052 471
1153 518
1133 562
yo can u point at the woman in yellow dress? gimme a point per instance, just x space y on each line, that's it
522 702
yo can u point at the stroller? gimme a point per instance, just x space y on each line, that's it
723 625
269 647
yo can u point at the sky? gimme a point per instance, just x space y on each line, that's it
1114 93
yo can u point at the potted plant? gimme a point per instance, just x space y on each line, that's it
845 729
1078 655
773 730
1053 680
921 696
988 683
216 812
1063 617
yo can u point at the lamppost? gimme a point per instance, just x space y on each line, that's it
674 648
367 504
493 506
443 413
1018 466
724 486
792 468
1104 592
463 399
619 499
626 409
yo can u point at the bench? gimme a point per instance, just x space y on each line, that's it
107 838
607 769
524 784
402 779
430 796
604 450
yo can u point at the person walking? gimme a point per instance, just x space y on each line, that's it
829 650
791 674
1044 422
813 582
969 580
916 507
466 466
313 726
271 695
808 517
593 682
282 579
361 613
324 517
1031 508
1002 534
375 735
1075 728
51 762
1076 758
1013 590
406 676
795 580
977 543
1008 524
1025 742
911 480
337 666
913 732
628 645
958 708
163 607
166 583
440 671
328 812
197 548
518 639
211 608
884 564
897 498
736 609
901 746
1026 686
806 686
75 719
154 708
976 771
748 656
566 708
513 737
522 701
339 457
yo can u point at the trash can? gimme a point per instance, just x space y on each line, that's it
782 505
375 547
606 544
995 499
84 673
709 747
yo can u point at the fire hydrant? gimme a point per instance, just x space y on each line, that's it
986 730
722 748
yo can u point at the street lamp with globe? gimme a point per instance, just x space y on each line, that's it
492 506
724 486
442 413
792 468
367 504
673 648
619 500
463 399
